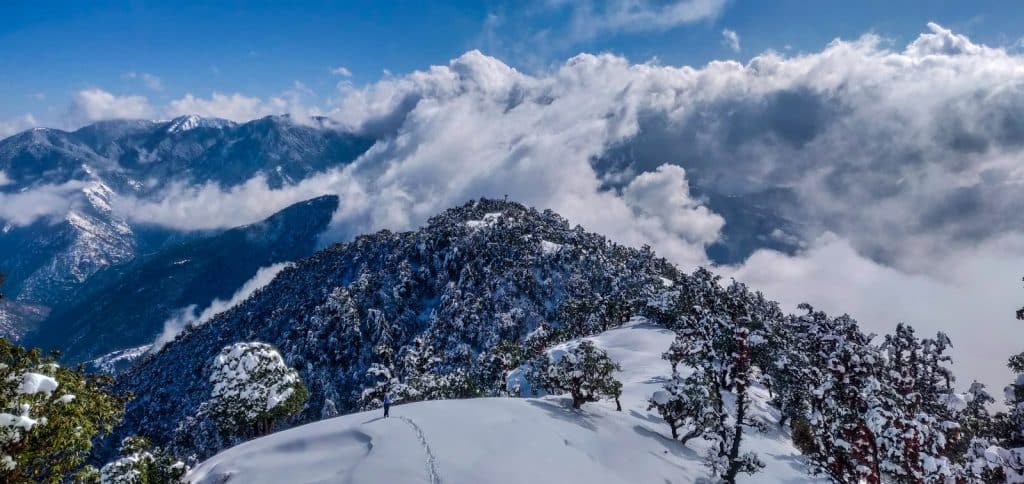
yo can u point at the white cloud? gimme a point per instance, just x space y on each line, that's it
4 179
593 18
151 81
731 39
664 196
96 104
234 107
240 108
341 71
16 125
45 201
187 315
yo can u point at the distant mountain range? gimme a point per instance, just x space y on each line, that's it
48 260
125 306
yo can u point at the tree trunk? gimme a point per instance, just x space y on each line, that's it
691 434
737 431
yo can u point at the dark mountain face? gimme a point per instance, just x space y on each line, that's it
126 305
49 259
475 276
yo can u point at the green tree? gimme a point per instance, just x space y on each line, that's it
139 464
253 389
585 372
50 415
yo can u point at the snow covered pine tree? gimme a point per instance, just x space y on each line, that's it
584 372
49 415
720 337
253 389
139 464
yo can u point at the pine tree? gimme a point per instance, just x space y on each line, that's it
721 339
921 423
585 372
840 439
141 464
49 415
253 389
495 365
787 377
683 405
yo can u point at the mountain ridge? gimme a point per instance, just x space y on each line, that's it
125 305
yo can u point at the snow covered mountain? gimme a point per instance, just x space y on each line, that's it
507 440
126 305
476 275
491 295
88 169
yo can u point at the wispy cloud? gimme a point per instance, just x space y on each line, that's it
731 39
532 32
16 125
188 315
341 71
151 81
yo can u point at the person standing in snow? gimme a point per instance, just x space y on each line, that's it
387 404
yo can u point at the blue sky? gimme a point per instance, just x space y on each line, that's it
163 50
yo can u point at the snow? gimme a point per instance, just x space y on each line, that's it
547 247
33 383
488 220
252 377
506 440
18 421
109 362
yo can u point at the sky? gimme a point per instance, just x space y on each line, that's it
167 50
898 146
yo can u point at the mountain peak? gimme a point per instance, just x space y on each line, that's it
193 121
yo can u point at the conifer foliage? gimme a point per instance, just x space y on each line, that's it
722 339
585 372
49 415
139 464
253 389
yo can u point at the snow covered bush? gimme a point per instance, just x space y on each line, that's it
49 415
682 406
584 372
139 464
253 389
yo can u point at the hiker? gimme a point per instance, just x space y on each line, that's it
387 404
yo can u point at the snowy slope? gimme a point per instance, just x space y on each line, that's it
502 440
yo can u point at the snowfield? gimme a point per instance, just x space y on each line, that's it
505 440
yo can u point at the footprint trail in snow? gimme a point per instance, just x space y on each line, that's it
435 477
